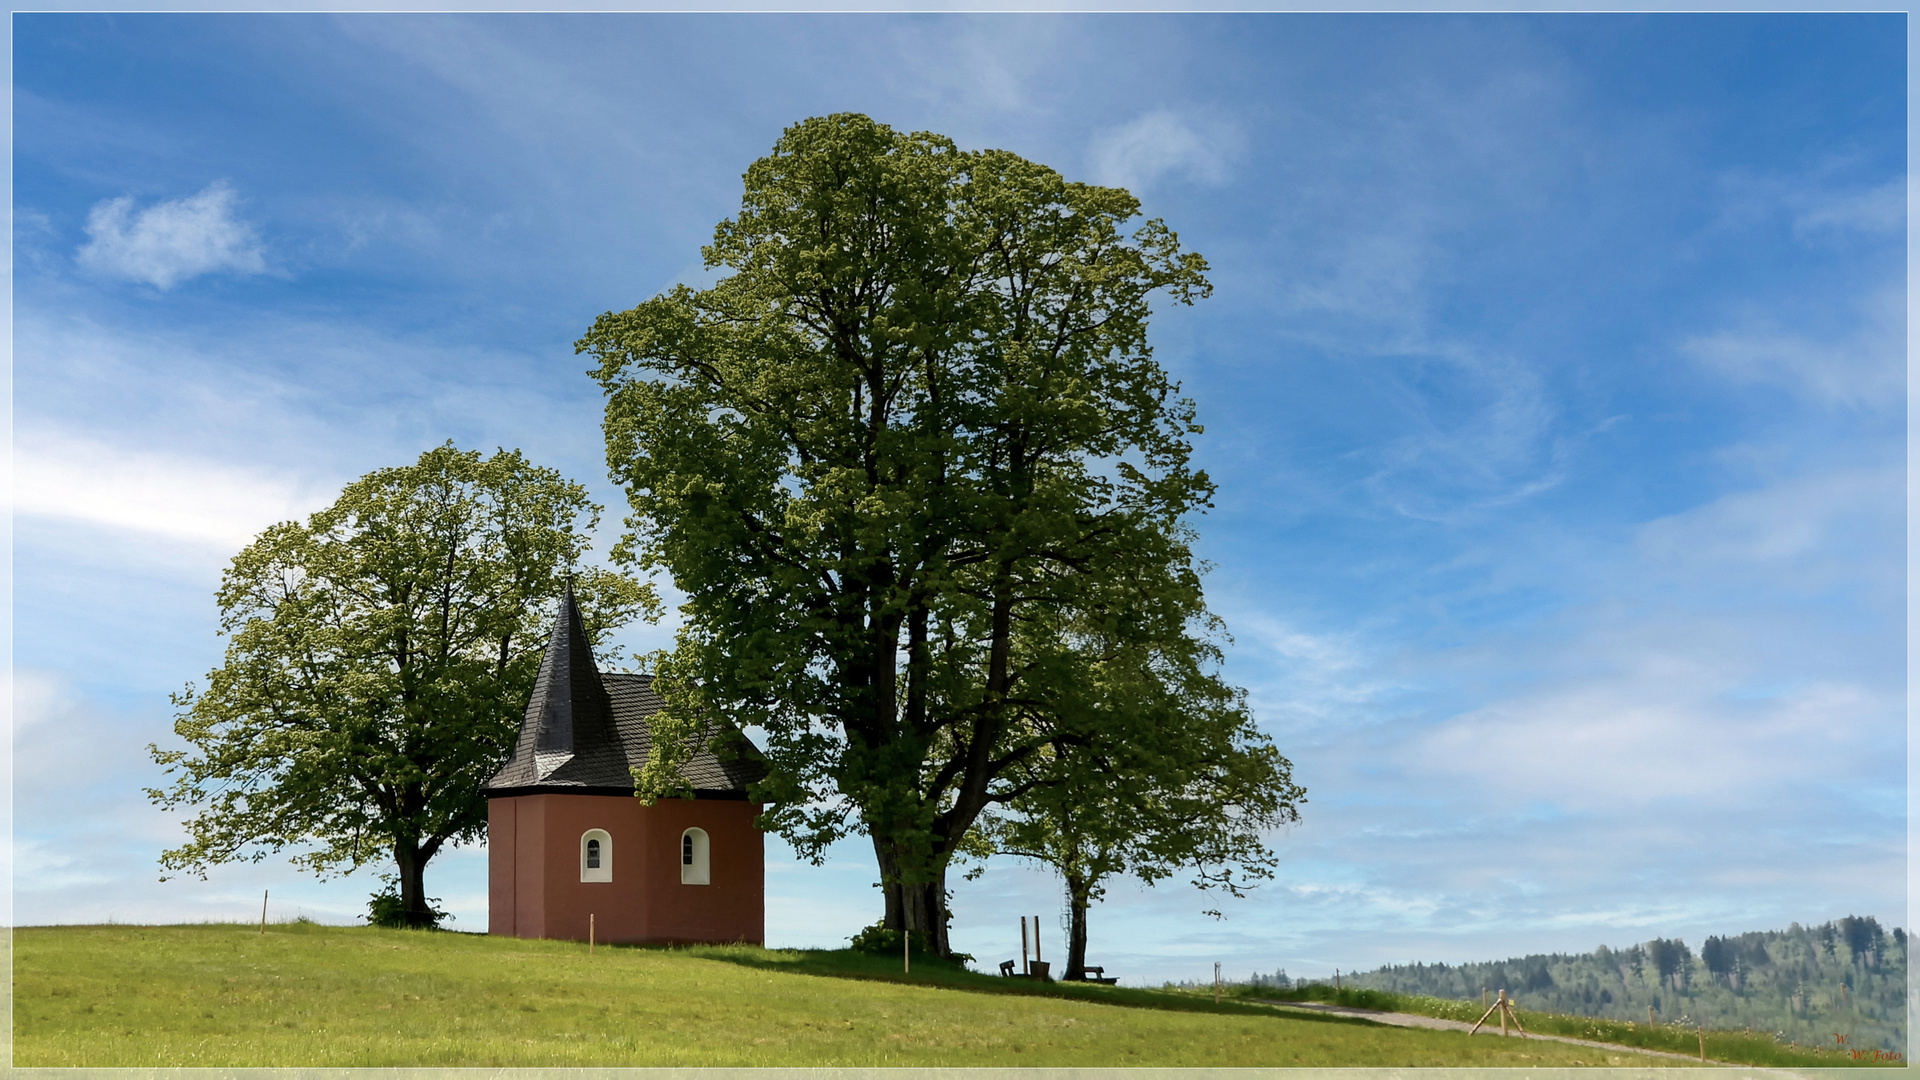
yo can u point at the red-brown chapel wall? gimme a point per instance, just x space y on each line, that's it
533 870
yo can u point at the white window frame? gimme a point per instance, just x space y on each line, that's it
603 872
697 869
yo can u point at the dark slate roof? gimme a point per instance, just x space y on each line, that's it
584 731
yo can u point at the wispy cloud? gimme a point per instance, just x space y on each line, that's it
969 65
1163 145
1860 365
1878 210
171 242
82 480
1824 203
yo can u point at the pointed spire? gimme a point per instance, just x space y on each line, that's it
569 713
567 673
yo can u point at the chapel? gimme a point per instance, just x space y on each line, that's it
570 850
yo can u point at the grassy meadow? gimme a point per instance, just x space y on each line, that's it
308 995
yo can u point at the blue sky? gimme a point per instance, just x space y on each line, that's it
1553 383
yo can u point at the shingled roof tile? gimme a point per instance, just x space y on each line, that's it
585 731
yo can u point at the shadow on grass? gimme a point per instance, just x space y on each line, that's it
947 975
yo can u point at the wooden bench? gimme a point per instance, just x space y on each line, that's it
1094 974
1007 968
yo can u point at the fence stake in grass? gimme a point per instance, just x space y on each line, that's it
1649 1018
1024 969
906 939
263 909
1216 982
1036 939
1702 1032
590 929
1504 1006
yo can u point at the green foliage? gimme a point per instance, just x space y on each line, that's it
1153 763
1803 985
877 940
1352 998
918 413
322 996
378 658
386 908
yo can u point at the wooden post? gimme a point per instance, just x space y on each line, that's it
1703 1042
1216 982
906 937
1503 1012
1483 997
1336 980
1024 969
263 910
1489 1012
590 933
1036 939
1649 1018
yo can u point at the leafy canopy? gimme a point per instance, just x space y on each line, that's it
918 411
378 660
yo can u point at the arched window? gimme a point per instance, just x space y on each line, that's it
596 855
694 857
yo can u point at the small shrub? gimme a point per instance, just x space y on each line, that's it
386 909
877 940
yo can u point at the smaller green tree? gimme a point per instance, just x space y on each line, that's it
1154 764
378 661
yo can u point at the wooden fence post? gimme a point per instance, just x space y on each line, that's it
263 910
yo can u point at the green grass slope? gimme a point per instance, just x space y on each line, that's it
308 995
1741 1047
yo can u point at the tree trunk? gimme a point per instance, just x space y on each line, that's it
1077 892
413 883
918 906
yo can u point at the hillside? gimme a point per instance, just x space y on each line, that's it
1806 984
308 995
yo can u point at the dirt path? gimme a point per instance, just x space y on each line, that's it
1411 1020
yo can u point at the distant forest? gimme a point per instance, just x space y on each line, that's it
1804 984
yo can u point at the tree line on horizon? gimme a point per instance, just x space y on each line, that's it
1804 984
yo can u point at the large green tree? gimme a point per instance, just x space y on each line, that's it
918 409
379 657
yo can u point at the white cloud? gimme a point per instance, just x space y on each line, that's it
1662 732
1881 210
1863 366
968 65
1160 145
1798 534
37 696
171 242
74 479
